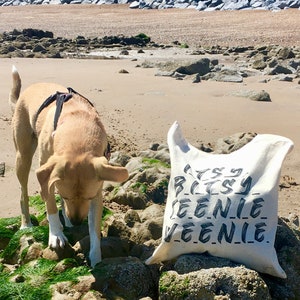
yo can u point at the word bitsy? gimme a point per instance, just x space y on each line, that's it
224 204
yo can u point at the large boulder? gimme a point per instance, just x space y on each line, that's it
208 284
201 67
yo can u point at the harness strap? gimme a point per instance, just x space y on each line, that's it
72 91
60 100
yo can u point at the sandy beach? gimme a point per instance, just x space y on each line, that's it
138 108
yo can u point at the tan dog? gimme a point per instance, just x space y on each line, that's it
72 157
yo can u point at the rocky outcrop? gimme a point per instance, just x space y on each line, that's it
281 63
132 227
34 43
205 5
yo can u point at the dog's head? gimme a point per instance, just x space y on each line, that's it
78 181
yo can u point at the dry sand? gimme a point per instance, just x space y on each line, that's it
138 108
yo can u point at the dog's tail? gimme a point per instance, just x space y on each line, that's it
16 88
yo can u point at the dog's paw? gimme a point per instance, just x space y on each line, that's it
57 240
56 235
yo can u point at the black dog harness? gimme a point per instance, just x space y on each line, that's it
60 99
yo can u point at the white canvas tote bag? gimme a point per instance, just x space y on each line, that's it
224 204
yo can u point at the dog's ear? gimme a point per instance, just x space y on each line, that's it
49 173
104 171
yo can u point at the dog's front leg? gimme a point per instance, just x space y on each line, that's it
94 219
56 235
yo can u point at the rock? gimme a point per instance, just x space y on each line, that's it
131 217
65 264
197 78
232 283
233 142
113 246
282 77
200 67
2 169
164 73
287 245
30 32
126 278
287 181
148 181
134 198
295 64
59 253
149 230
134 4
279 69
254 95
151 212
236 5
34 252
285 53
193 262
261 96
119 158
124 52
259 64
123 71
30 240
226 75
93 295
118 228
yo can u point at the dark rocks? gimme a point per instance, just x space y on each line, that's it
36 33
38 43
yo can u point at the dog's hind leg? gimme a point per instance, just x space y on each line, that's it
25 144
